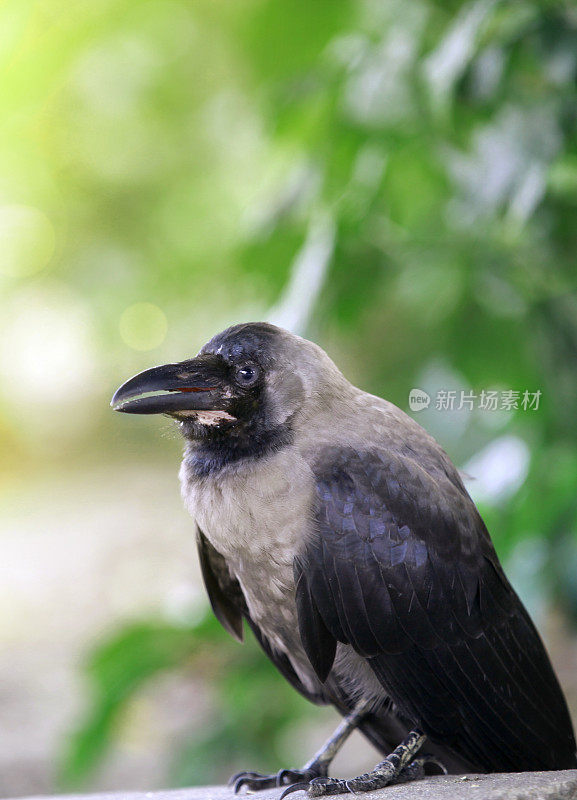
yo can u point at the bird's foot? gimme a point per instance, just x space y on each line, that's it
318 787
398 767
315 769
385 774
255 781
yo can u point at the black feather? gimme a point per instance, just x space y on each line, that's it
402 568
319 645
224 592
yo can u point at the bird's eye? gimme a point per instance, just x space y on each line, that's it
246 375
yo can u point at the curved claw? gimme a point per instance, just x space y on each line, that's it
238 775
238 784
296 787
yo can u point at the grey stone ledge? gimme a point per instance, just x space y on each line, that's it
513 786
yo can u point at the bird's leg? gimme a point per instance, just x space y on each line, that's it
316 767
319 763
396 764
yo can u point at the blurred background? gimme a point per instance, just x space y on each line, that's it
398 182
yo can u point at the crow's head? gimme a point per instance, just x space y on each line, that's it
244 387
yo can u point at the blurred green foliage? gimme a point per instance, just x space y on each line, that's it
396 180
253 710
117 670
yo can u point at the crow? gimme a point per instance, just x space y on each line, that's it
340 532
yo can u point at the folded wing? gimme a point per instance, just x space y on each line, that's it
401 568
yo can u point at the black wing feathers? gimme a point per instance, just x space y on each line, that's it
318 643
402 568
224 592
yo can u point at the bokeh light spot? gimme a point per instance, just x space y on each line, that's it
27 240
143 326
48 361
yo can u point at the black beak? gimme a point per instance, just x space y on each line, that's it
194 385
